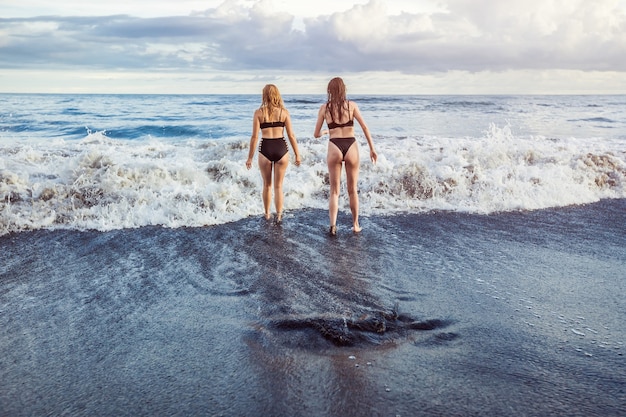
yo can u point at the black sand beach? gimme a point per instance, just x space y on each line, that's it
440 314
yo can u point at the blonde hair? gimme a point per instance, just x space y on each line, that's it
271 100
336 103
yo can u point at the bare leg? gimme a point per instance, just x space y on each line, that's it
352 177
265 165
334 161
280 167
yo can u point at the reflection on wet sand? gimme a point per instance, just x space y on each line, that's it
319 322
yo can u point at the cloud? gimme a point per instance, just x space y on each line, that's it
478 35
463 35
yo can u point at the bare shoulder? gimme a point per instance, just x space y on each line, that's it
353 108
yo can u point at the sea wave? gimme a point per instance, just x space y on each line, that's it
103 183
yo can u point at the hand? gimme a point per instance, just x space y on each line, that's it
298 160
249 163
373 156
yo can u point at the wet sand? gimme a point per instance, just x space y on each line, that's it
433 314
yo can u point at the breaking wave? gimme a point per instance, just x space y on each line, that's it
103 183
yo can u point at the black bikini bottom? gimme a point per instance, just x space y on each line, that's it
343 144
273 149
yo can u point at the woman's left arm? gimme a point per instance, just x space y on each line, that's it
320 121
254 138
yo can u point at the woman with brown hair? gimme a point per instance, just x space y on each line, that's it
339 114
272 118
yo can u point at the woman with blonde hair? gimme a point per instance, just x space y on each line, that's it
339 114
271 119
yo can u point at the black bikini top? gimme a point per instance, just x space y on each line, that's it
333 125
265 125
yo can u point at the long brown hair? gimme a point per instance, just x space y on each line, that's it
271 100
336 98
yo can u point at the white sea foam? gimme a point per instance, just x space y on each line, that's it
101 183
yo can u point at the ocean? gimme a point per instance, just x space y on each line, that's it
139 278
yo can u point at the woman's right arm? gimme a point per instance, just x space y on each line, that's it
256 126
366 132
292 139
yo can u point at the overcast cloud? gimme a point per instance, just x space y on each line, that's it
375 37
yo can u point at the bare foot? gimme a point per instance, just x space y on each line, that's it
333 231
268 216
356 228
279 217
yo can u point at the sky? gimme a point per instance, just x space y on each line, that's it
376 46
